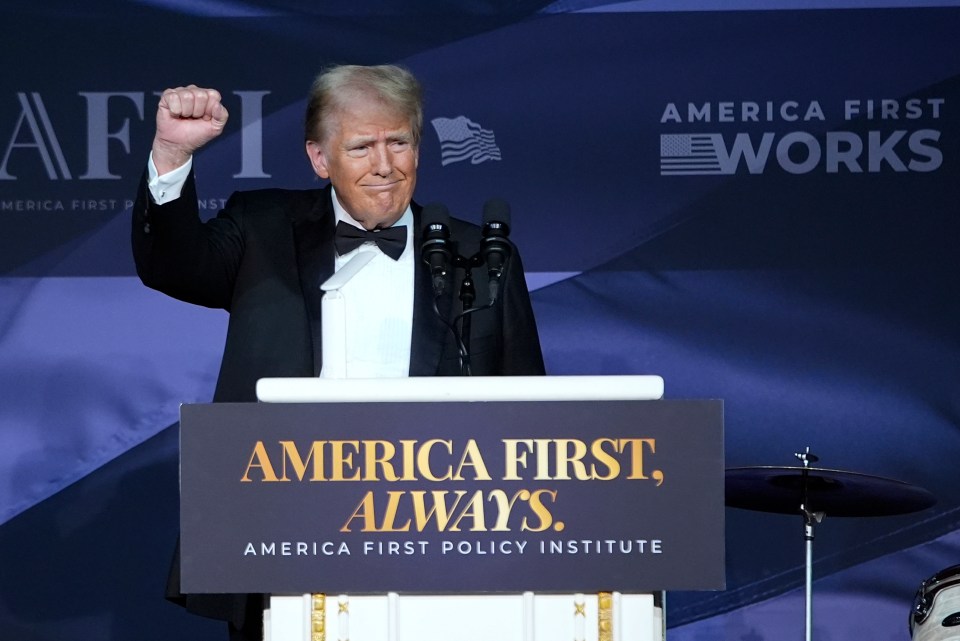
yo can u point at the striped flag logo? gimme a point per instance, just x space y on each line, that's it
691 154
462 139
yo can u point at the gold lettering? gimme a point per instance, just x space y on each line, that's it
365 512
291 453
372 461
472 458
505 507
423 461
439 508
540 510
542 447
409 472
342 461
635 446
513 458
390 515
575 460
259 458
473 510
604 458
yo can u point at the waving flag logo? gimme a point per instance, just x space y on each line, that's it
462 139
690 154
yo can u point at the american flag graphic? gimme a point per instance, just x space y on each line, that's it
689 154
462 139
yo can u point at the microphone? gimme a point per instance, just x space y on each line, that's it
435 246
494 246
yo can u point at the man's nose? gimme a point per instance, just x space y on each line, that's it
380 160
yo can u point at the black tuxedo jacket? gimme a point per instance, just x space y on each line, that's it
263 259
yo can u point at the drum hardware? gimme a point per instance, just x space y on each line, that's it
815 493
936 607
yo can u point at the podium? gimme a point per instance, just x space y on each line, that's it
507 617
454 509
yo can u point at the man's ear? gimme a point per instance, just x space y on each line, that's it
318 160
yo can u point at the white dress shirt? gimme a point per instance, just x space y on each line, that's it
379 307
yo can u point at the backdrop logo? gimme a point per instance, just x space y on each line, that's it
462 139
108 118
899 137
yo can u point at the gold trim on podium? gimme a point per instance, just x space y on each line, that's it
605 616
605 605
318 617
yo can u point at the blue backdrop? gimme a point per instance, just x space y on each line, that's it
757 203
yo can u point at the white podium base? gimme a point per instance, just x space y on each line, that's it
609 616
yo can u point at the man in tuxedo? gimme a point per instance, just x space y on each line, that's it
265 255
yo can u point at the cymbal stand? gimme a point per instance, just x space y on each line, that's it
810 519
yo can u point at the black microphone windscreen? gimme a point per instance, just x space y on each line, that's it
434 214
496 210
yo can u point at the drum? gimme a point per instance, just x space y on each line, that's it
936 608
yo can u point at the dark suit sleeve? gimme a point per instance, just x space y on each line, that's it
178 254
521 353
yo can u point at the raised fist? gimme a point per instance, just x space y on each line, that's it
187 119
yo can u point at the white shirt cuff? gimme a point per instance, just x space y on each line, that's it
168 186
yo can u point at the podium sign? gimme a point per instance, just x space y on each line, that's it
572 496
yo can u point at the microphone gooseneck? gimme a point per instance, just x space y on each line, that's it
494 247
435 247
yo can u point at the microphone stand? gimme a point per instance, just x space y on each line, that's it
494 252
810 520
468 294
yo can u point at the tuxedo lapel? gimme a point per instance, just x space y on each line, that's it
313 235
429 332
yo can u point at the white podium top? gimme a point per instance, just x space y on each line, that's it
459 389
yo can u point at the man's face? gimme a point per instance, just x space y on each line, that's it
371 159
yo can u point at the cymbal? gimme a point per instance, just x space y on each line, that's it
833 492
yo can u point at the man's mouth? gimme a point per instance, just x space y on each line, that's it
380 187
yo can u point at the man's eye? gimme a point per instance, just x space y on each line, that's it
357 151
